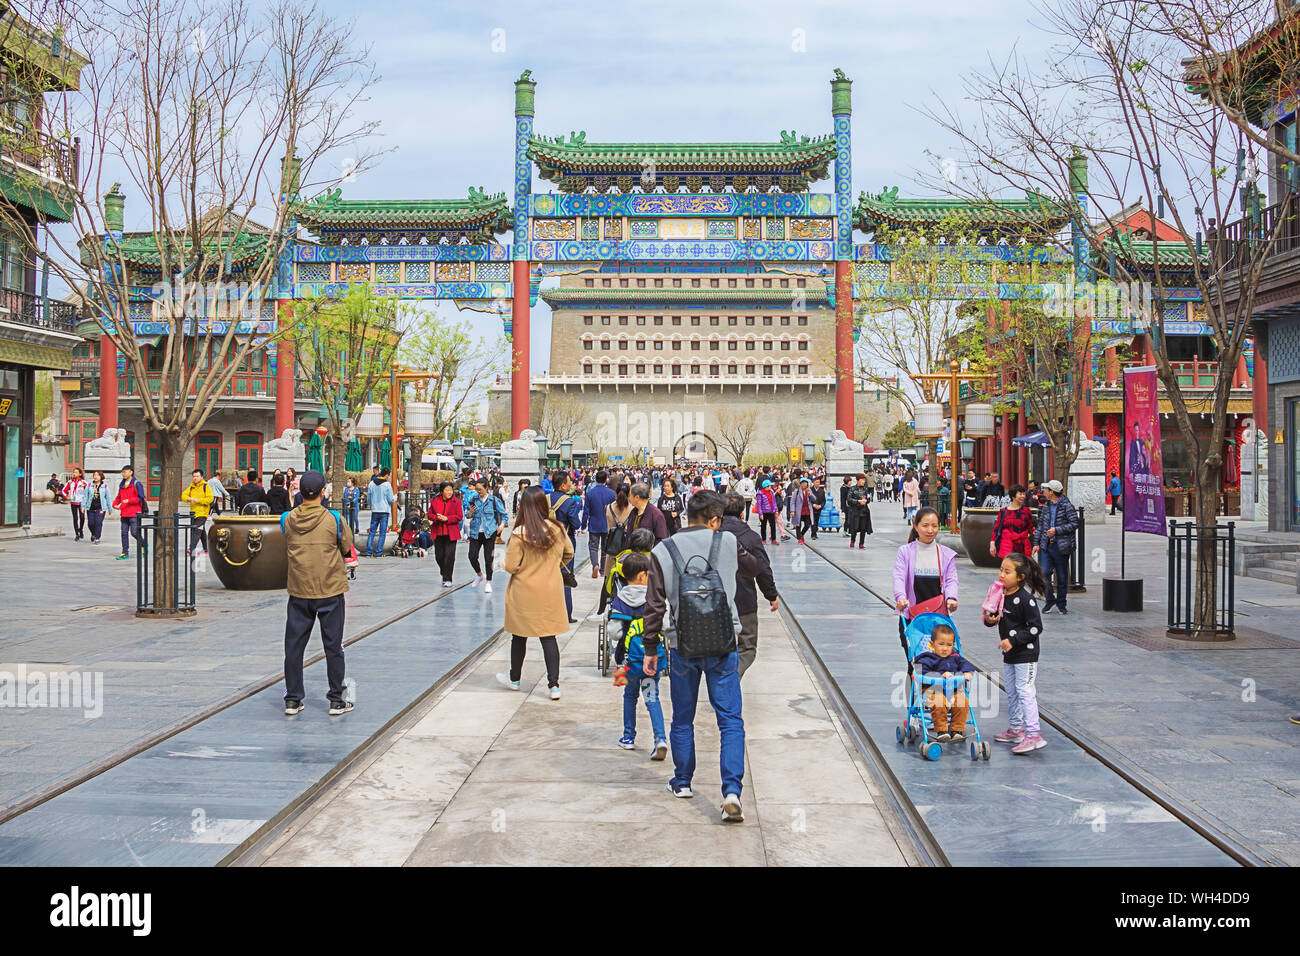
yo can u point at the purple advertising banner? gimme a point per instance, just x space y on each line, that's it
1144 468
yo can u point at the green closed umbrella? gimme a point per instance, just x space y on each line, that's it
386 455
355 461
314 461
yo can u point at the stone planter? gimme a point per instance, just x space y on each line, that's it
247 552
976 533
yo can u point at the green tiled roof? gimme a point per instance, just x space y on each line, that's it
806 158
815 292
1141 252
479 212
886 209
141 249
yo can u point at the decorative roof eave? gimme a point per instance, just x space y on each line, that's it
813 293
1142 253
141 249
1260 80
479 213
886 209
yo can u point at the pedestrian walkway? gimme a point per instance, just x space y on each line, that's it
487 776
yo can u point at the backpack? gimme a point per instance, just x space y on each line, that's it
702 615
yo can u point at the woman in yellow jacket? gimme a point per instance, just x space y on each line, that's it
199 496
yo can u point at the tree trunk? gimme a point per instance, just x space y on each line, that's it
415 472
1061 467
169 542
1204 616
338 451
932 478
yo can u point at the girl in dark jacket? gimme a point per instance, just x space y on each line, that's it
1020 625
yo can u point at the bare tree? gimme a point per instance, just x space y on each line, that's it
737 428
564 417
1110 118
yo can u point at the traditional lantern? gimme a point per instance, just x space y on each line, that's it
928 419
370 423
979 420
420 419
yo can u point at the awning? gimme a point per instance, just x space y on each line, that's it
1032 440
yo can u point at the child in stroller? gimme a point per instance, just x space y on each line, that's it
413 538
936 692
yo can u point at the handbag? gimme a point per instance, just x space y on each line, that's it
935 605
570 579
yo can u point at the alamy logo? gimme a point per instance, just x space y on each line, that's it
75 909
70 689
624 429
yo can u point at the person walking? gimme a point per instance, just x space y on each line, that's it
647 515
316 542
818 503
1054 543
595 501
566 507
379 498
857 513
278 498
199 497
748 584
911 496
352 505
745 488
96 504
485 524
219 494
1116 491
445 516
801 515
537 550
925 572
1014 527
130 503
673 506
75 490
691 603
765 505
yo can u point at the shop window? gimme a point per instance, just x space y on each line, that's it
248 451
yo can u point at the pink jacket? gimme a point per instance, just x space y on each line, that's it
911 494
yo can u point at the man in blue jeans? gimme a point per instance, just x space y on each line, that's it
596 500
721 672
379 496
1054 542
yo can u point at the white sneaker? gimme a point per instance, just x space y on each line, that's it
446 584
595 616
487 587
505 681
476 582
555 693
731 811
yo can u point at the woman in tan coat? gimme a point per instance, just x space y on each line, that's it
535 595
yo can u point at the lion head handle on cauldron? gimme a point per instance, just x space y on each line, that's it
222 538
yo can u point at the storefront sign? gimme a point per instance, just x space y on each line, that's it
1144 495
5 405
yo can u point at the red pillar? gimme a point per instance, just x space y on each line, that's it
519 351
1022 455
284 379
1259 394
107 384
1004 459
844 348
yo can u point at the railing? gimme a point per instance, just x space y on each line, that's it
1193 374
243 385
27 309
1239 237
1185 542
164 569
53 158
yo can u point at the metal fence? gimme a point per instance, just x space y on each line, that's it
1185 542
164 567
1079 556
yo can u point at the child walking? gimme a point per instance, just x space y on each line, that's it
1020 626
627 613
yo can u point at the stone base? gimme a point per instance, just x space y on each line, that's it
511 473
272 461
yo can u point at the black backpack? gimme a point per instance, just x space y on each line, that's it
702 615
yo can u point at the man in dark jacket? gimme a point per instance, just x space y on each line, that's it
596 501
1054 543
566 504
748 582
316 541
277 499
250 491
647 515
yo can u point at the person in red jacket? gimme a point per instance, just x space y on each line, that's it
445 514
130 504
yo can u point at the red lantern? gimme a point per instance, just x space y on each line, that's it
322 431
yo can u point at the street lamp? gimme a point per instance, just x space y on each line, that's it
967 448
541 449
919 449
809 451
826 447
566 451
458 450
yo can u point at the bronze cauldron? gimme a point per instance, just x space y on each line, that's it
247 552
976 533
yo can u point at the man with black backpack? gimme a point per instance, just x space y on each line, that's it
691 603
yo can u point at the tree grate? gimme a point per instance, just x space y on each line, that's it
1155 639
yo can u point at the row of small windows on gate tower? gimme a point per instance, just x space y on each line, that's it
695 284
675 345
695 319
714 369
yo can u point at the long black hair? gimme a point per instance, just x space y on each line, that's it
622 493
1031 576
921 513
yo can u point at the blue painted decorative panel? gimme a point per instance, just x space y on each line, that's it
683 204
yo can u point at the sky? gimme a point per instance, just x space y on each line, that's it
663 71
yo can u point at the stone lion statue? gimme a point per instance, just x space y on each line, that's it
523 446
112 442
289 443
842 444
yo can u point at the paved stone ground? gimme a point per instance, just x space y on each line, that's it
490 776
1210 723
69 606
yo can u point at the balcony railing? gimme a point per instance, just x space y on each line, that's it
52 158
1239 239
1193 374
27 309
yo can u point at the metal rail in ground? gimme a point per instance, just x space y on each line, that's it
1107 755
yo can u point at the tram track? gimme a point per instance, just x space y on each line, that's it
1098 749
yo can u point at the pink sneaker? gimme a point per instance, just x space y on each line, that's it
1029 744
1010 736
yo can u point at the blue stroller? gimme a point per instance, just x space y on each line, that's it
919 723
830 518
